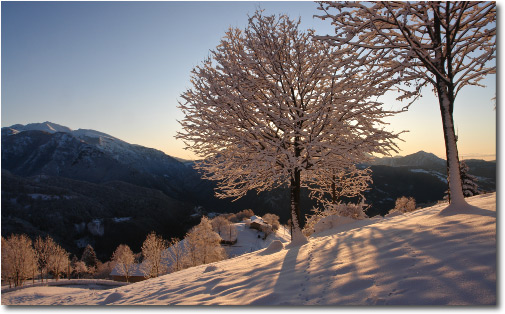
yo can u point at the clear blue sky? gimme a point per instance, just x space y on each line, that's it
119 68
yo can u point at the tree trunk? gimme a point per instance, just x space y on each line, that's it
297 237
451 148
333 190
295 198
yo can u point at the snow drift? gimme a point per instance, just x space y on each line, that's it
418 258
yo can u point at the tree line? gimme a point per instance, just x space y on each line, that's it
43 258
202 244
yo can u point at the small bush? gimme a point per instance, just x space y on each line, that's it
354 211
404 205
272 220
240 216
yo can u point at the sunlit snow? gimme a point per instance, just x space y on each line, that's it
419 258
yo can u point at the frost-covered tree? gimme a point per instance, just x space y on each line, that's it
50 257
80 268
203 244
240 216
123 260
226 230
405 205
329 186
446 45
230 232
152 251
272 220
89 257
18 259
219 224
6 265
176 254
43 248
271 103
58 260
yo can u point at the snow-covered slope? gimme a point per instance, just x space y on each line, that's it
250 240
420 258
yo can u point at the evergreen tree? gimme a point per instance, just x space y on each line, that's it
89 257
469 182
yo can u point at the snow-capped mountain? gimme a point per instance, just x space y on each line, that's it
52 149
44 126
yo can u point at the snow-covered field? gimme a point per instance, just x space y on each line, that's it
420 258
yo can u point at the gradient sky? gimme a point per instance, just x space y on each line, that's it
119 68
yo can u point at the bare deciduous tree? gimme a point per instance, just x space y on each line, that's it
43 249
124 260
404 205
203 244
176 255
80 268
18 259
219 224
328 185
152 250
271 103
58 260
272 220
230 233
448 45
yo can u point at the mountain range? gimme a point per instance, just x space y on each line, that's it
84 186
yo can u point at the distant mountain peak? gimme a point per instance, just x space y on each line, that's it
90 148
418 159
423 153
44 126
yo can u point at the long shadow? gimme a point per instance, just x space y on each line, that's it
431 247
469 210
288 277
428 262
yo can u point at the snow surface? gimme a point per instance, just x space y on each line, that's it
248 241
418 258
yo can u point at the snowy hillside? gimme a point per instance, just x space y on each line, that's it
146 159
420 258
250 240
